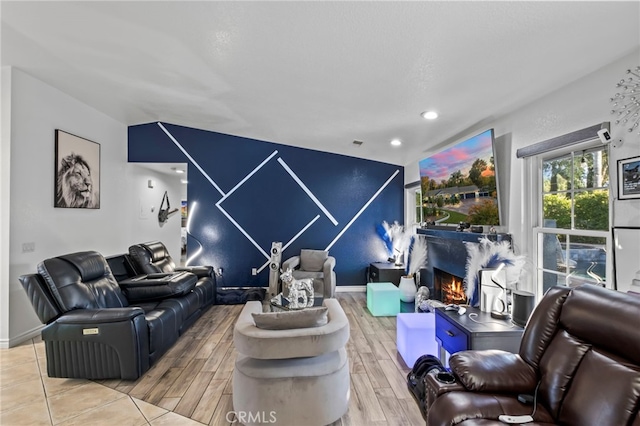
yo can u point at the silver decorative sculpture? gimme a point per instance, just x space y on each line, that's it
421 295
300 292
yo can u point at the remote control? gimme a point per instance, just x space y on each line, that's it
515 420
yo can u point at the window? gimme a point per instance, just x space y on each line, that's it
418 205
414 206
573 232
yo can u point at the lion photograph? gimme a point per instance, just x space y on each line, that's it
77 182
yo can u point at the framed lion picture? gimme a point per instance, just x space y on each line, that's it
77 178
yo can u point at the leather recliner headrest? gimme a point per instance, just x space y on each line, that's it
81 280
601 317
90 264
157 250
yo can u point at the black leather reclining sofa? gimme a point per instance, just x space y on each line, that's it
98 327
153 258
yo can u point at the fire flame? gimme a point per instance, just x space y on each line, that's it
453 292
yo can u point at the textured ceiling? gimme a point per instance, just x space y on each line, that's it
316 74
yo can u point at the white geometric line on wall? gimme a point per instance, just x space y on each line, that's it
224 212
295 237
237 225
193 161
308 191
238 185
246 178
263 266
384 185
296 179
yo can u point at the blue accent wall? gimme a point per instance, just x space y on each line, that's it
270 205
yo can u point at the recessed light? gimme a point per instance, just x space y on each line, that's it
396 142
429 115
184 181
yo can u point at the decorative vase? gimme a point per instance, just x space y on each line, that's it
407 289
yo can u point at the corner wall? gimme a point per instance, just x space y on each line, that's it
37 109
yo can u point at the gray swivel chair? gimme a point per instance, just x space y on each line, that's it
296 376
315 264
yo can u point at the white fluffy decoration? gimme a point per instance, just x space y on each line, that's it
399 238
417 255
489 254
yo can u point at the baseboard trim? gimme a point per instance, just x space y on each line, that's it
351 288
16 340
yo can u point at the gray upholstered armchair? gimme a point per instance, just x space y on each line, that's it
315 264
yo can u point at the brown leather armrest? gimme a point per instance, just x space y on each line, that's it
434 388
493 371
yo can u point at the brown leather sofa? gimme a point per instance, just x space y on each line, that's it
580 351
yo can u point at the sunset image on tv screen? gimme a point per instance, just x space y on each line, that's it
459 183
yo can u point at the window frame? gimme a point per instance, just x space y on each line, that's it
412 217
536 191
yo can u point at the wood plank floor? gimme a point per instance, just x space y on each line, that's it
194 377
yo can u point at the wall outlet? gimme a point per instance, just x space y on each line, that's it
28 247
254 271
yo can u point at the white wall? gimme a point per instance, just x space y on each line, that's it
142 222
580 104
5 178
37 109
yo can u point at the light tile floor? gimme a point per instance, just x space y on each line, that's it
29 397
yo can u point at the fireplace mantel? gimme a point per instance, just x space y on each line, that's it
446 250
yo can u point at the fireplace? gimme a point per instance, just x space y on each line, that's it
448 253
448 288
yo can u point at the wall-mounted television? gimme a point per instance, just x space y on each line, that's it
459 183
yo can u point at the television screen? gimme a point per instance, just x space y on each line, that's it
459 183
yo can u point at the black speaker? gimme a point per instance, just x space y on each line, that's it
274 267
523 304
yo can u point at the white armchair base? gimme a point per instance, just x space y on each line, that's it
291 377
302 391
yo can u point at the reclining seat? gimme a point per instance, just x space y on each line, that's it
580 351
153 258
91 329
